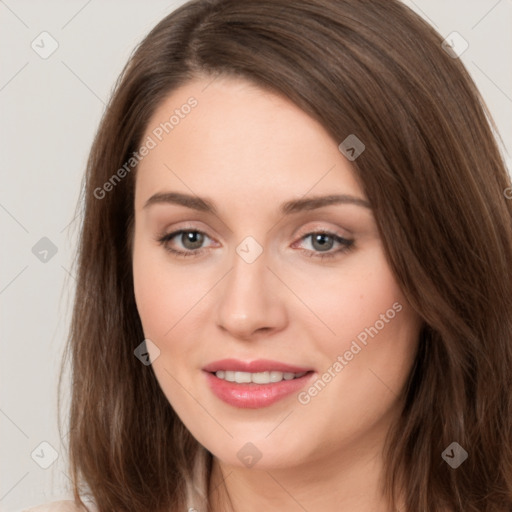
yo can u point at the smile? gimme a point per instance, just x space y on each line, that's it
255 384
257 378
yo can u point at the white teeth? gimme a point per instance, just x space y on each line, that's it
229 376
276 376
257 378
261 378
242 377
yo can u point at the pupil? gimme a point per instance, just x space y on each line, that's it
321 239
192 239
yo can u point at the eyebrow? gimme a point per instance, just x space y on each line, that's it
294 206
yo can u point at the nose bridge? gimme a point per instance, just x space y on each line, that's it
248 301
245 279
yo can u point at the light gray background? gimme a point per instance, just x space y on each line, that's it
50 109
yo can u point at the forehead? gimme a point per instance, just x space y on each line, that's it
239 141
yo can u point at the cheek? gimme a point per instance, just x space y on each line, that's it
369 324
351 296
165 299
154 295
366 362
164 295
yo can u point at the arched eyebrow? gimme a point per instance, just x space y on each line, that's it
312 203
204 204
194 202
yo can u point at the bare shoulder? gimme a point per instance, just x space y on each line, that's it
59 506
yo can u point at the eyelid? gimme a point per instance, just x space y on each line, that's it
321 228
168 235
178 227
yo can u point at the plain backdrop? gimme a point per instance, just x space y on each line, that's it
50 110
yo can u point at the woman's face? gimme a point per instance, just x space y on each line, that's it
254 267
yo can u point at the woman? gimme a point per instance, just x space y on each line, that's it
293 275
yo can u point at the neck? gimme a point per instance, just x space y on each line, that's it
349 479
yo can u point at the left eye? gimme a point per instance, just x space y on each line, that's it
321 244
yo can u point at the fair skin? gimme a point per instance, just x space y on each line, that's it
248 151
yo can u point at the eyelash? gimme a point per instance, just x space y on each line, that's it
347 244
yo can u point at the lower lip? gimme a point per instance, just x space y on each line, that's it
255 396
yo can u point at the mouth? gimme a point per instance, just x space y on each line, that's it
266 377
255 384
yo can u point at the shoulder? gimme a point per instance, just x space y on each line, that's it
59 506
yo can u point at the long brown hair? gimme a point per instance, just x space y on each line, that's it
434 176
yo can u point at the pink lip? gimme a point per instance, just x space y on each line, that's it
259 365
254 396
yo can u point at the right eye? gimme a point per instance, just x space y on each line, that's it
189 241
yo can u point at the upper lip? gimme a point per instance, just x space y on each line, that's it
256 366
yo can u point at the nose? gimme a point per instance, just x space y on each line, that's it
249 302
